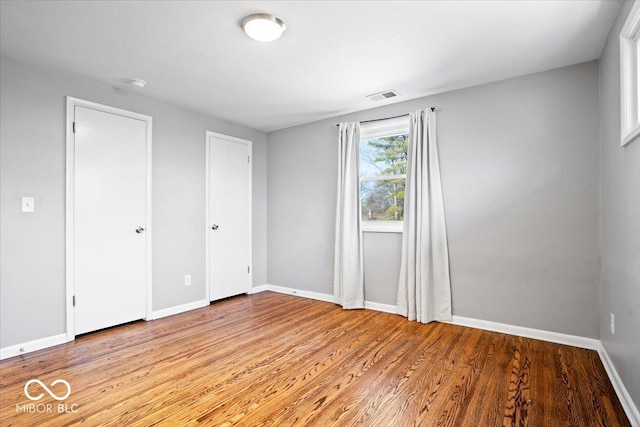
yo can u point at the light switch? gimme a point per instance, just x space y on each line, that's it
28 204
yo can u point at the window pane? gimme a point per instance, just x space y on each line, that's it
382 200
384 156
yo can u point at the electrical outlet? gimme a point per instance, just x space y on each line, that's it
28 204
187 280
613 324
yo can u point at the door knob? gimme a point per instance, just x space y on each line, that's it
139 230
214 227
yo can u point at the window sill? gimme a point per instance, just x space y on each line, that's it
382 226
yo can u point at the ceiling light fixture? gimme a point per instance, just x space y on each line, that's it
137 83
263 27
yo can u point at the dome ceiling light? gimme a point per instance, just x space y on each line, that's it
263 27
137 83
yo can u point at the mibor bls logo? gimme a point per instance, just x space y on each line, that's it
61 393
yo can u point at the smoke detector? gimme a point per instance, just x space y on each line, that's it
383 95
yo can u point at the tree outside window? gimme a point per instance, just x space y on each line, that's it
383 169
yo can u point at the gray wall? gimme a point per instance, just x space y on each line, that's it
32 150
382 266
519 163
620 224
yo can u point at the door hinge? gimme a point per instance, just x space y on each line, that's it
248 269
74 300
74 127
248 159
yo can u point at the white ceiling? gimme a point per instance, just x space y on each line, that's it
333 54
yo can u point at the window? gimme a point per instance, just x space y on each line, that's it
629 76
383 173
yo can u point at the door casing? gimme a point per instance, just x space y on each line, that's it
70 203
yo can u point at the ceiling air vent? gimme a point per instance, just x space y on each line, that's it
383 95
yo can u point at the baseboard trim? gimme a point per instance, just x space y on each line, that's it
31 346
554 337
258 289
165 312
521 331
298 292
385 308
623 395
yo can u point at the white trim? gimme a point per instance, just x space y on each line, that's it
521 331
31 346
149 231
623 395
170 311
258 289
208 135
382 177
385 308
69 222
297 292
554 337
70 203
376 306
629 80
377 226
384 128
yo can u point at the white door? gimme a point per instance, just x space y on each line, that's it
229 225
110 215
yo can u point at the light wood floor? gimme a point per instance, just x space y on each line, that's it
276 360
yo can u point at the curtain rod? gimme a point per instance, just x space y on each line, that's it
387 118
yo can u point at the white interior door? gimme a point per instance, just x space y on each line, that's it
110 218
229 225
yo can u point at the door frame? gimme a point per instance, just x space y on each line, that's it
207 215
70 204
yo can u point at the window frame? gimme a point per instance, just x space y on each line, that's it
629 80
381 129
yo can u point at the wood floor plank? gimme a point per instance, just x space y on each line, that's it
495 368
277 360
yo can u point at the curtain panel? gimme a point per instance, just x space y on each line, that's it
348 266
424 288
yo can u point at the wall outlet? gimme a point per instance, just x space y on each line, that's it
612 324
28 204
187 280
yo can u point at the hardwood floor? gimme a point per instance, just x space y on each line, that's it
276 360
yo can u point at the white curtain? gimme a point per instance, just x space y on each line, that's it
424 291
348 267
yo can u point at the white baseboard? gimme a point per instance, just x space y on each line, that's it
165 312
258 289
555 337
623 395
538 334
31 346
297 292
385 308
